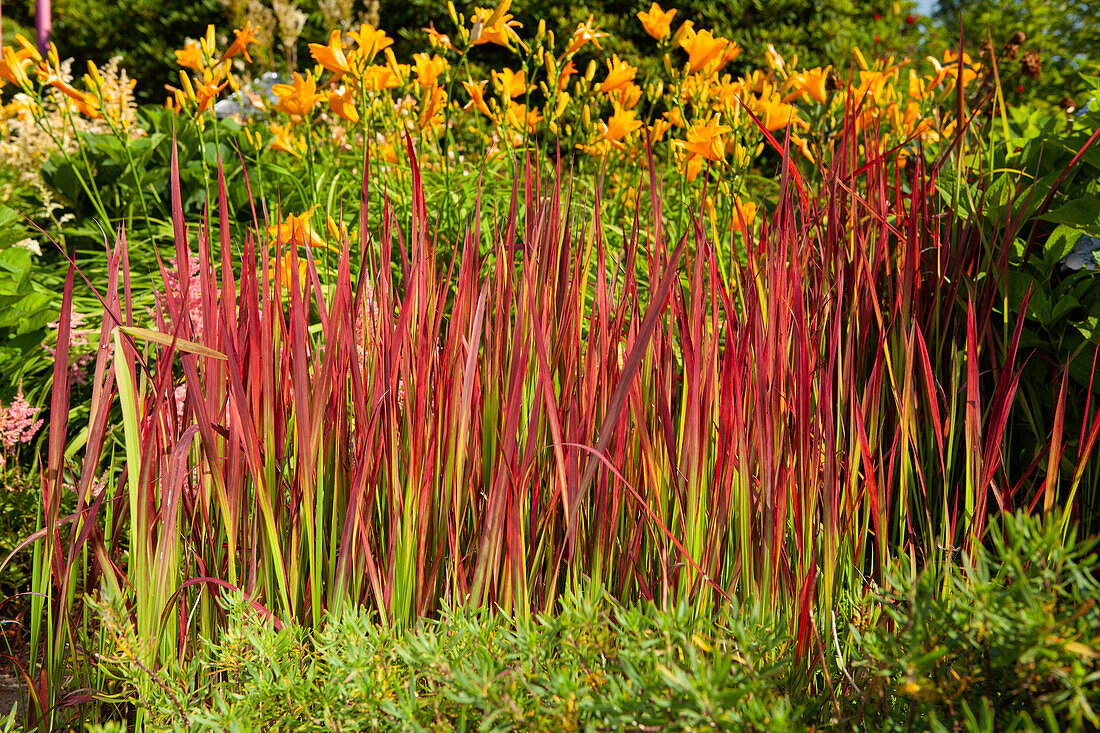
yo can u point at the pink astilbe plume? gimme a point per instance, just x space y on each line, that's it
18 423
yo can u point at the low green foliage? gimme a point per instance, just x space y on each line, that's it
1008 642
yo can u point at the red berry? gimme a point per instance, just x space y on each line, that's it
878 16
1020 89
877 40
910 19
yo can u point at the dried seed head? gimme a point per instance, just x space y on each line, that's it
1030 65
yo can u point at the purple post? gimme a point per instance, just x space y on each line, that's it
42 25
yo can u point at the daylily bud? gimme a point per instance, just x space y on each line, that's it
452 12
667 61
590 72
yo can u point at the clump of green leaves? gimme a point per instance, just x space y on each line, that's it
1011 636
1016 632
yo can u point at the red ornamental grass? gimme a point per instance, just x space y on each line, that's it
567 410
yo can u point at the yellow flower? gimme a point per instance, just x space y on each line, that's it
244 37
190 56
477 97
808 84
511 83
566 71
619 74
281 270
297 231
370 41
440 40
743 211
657 22
332 56
14 65
629 96
618 126
658 129
297 99
520 118
702 48
284 141
500 32
432 104
428 69
379 77
343 104
775 115
705 140
586 32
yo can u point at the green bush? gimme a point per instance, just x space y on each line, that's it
1011 637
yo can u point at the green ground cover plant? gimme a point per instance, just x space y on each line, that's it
1007 642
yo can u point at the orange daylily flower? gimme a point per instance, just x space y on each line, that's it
512 83
190 56
618 126
432 104
14 65
502 32
774 114
619 74
743 211
379 77
342 103
657 22
566 71
521 118
284 141
809 84
702 48
705 140
331 56
371 41
428 68
629 96
586 32
477 97
298 98
296 230
244 37
440 40
658 129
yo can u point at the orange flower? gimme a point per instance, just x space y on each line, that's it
332 56
244 37
774 114
285 142
619 74
342 103
702 48
370 41
743 211
207 90
14 65
658 129
512 83
428 69
705 140
586 32
281 270
618 126
432 103
379 77
566 71
477 97
190 56
629 96
809 84
500 31
440 40
657 22
296 230
297 99
520 117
